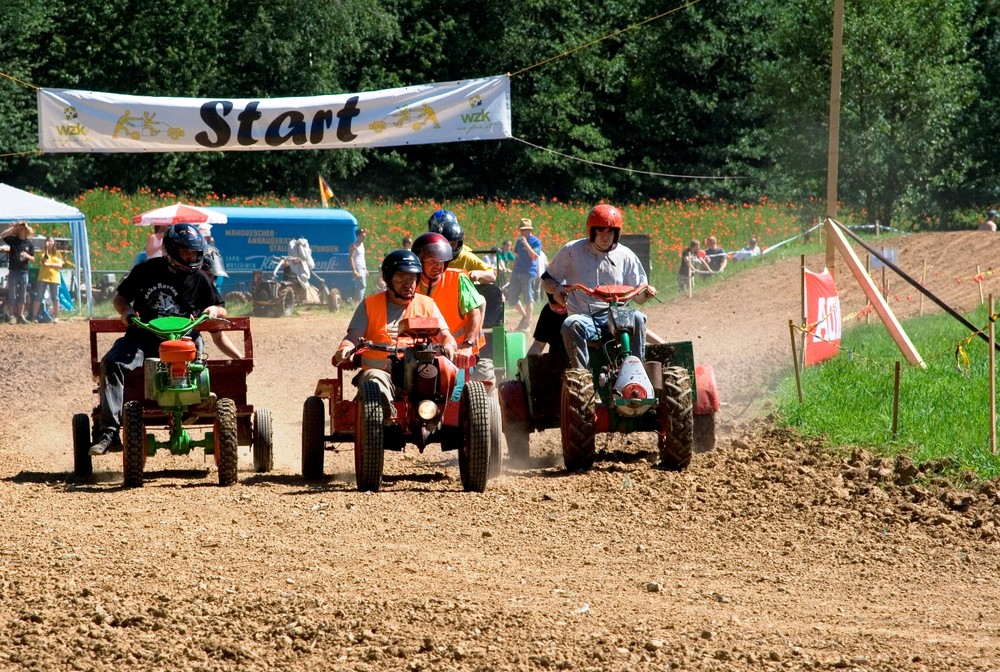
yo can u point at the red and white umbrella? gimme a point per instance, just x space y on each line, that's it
179 213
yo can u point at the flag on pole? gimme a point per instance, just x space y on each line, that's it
325 192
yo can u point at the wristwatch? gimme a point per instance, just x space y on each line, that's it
467 343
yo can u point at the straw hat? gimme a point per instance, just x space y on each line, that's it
525 225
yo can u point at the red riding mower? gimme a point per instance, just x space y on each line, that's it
431 405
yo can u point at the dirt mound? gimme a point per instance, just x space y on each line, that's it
772 552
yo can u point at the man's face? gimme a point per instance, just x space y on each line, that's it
433 268
188 256
405 284
604 237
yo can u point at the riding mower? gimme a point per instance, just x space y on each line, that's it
433 403
620 393
276 292
174 391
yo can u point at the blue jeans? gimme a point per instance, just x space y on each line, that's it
360 285
17 290
579 329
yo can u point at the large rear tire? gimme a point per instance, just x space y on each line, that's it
576 417
704 432
263 441
134 448
369 437
474 455
226 442
83 465
313 443
676 419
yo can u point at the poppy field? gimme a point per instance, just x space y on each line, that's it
671 224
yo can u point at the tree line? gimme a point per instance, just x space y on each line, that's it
722 98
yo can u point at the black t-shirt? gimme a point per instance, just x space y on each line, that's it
18 245
156 290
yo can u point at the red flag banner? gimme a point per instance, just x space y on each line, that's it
823 315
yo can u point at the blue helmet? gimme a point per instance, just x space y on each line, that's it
437 221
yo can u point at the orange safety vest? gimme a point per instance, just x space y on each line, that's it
376 308
446 295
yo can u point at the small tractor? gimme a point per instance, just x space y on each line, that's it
276 292
433 403
174 391
620 393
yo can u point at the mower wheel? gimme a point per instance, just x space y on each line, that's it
234 297
704 432
134 449
676 419
577 416
83 465
515 430
263 441
313 426
286 302
226 445
333 300
474 455
369 444
496 436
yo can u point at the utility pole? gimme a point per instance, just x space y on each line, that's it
833 150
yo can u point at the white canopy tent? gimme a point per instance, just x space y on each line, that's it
17 205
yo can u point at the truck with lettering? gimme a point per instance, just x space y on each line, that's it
253 237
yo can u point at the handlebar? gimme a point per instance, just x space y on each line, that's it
610 293
173 327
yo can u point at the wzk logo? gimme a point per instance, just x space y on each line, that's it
72 125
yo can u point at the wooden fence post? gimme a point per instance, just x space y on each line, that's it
895 401
795 359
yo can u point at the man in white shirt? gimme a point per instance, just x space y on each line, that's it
595 260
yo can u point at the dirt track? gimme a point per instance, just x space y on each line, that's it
769 553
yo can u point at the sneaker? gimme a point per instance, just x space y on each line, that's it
11 320
55 320
104 443
523 324
21 319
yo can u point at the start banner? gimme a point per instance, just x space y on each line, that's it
88 121
823 317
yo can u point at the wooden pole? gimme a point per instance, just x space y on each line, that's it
795 359
805 309
868 270
833 146
993 384
895 401
923 275
982 299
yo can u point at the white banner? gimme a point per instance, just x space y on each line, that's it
88 121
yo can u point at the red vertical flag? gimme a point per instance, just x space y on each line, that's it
325 192
823 316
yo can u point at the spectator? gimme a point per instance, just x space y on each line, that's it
214 269
446 223
990 223
406 243
750 251
715 257
20 251
359 269
598 259
692 263
536 283
50 262
377 319
505 262
527 247
154 242
171 285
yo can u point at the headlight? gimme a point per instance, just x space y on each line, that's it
427 410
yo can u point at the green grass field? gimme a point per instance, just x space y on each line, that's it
943 409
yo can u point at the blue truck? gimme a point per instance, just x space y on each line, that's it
254 239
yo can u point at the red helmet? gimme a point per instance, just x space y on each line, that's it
604 216
434 245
